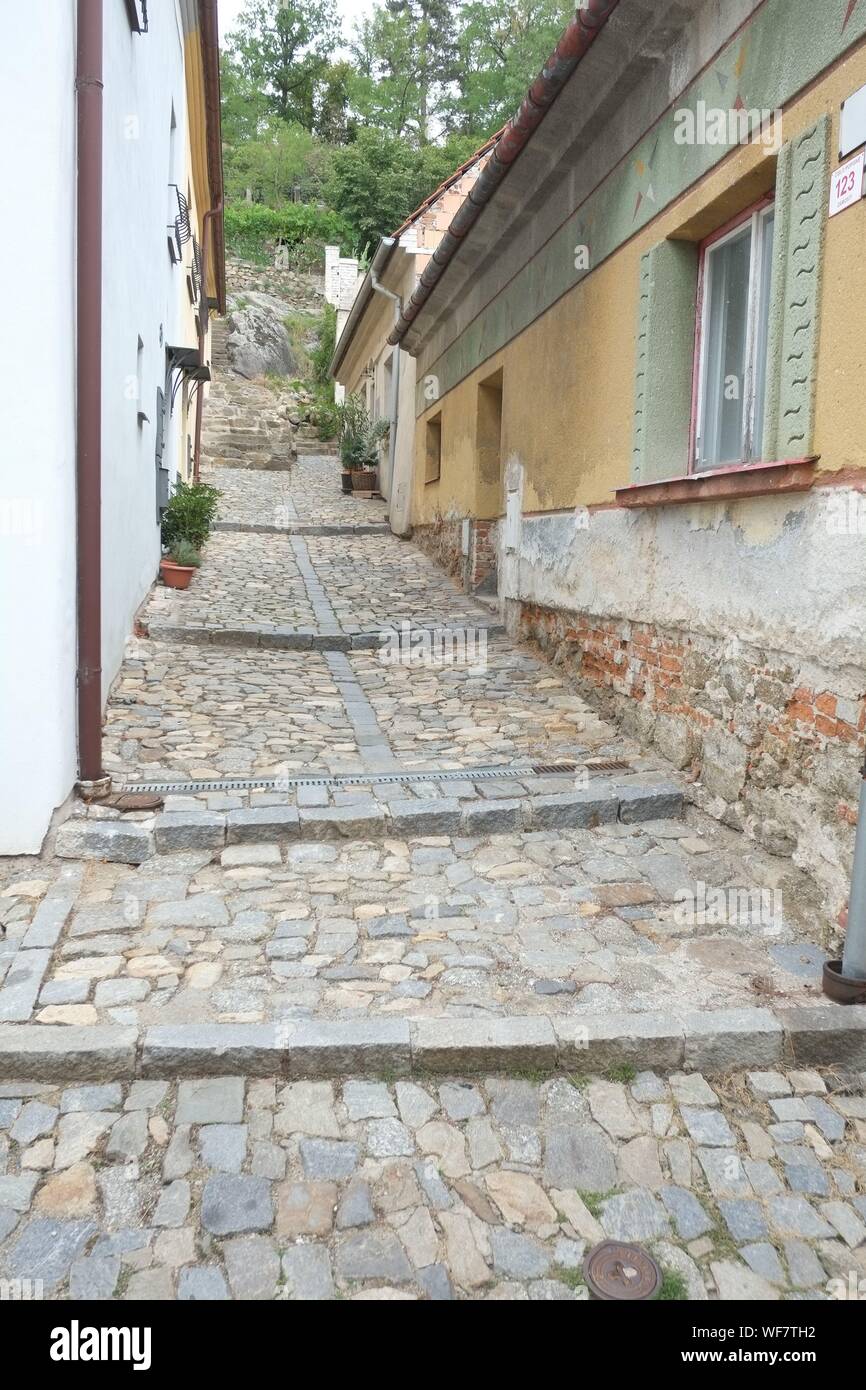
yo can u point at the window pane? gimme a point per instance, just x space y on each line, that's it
767 229
726 330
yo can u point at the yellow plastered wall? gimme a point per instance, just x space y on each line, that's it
568 390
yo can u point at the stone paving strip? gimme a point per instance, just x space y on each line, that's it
440 1187
293 591
581 928
308 492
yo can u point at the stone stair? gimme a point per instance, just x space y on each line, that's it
245 424
219 336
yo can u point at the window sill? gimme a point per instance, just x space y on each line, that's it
726 484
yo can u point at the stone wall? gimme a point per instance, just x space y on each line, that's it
768 755
305 293
464 548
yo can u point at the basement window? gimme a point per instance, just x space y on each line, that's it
730 375
433 459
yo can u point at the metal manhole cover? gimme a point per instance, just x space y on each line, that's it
132 801
618 1271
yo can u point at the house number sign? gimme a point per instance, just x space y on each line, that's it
846 185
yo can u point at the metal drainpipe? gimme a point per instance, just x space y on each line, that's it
88 390
202 334
395 376
854 956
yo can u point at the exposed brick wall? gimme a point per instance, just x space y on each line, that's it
483 553
443 541
774 756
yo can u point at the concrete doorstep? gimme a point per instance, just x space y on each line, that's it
711 1043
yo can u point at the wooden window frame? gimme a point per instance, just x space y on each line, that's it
751 455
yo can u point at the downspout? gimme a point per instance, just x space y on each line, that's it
845 981
397 300
202 334
88 393
209 31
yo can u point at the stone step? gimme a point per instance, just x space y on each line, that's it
599 802
309 528
272 637
712 1042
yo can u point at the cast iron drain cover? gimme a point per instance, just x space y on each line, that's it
131 801
615 1270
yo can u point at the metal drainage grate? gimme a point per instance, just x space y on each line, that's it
351 779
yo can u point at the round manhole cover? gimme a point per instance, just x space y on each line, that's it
135 801
615 1270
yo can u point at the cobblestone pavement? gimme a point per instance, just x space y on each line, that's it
502 906
196 711
563 922
369 584
308 492
510 707
185 711
434 1188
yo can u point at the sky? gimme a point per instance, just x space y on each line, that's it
350 10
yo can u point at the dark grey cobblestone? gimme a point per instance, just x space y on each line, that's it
460 1208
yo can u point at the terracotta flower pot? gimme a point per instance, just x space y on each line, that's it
176 576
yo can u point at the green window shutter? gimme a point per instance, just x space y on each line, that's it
802 181
665 362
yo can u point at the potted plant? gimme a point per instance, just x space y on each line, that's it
359 446
185 526
190 513
178 566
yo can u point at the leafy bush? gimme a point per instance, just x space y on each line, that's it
253 230
190 513
182 553
359 434
325 414
324 351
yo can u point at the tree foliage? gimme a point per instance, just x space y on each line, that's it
283 49
370 129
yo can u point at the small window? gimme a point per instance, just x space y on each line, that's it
731 360
488 444
136 11
433 462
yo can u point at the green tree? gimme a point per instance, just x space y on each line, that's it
378 180
244 106
502 46
283 49
405 55
334 122
283 164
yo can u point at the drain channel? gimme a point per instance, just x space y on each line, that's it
354 779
